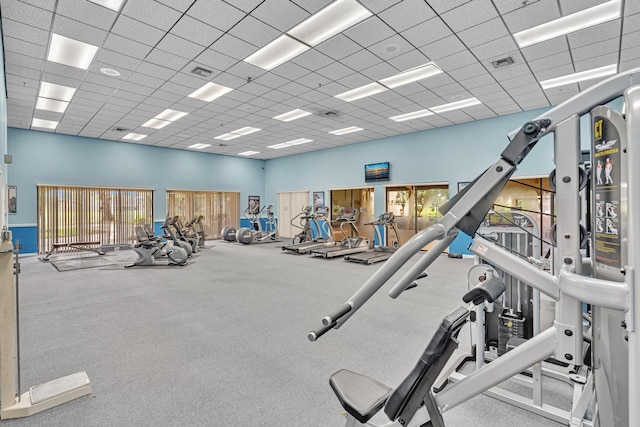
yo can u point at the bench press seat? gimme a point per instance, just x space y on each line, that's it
86 246
360 395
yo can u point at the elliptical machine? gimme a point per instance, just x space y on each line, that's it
258 233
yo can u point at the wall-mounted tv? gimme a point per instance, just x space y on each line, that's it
376 172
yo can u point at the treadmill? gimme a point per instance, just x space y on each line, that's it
381 252
351 243
319 242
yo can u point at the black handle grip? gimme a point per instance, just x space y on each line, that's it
333 317
314 335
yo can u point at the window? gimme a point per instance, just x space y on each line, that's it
218 208
105 215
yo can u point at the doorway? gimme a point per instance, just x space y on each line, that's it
359 198
290 204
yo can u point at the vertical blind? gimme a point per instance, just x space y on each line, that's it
84 214
218 208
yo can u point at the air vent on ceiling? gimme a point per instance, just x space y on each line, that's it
202 72
504 62
328 113
118 129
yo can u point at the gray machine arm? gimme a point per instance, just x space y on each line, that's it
466 210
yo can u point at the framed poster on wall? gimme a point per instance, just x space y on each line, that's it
318 199
254 204
12 199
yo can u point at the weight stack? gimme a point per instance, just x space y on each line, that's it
510 325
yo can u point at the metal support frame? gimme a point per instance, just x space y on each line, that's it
467 208
15 404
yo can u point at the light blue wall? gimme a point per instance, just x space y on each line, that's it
450 154
48 158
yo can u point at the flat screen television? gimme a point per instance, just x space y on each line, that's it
376 172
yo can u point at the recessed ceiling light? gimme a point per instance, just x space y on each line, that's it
290 143
333 19
111 4
455 105
109 72
209 92
45 124
292 115
134 136
413 115
245 130
277 52
227 136
73 53
579 77
199 146
156 124
54 91
248 153
586 18
170 115
412 75
346 130
361 92
51 105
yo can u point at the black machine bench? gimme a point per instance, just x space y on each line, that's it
80 246
362 396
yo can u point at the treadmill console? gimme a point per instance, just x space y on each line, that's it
386 218
348 214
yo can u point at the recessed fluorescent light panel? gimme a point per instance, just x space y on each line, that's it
156 124
412 75
579 77
51 105
110 4
209 92
73 53
227 136
277 52
333 19
245 130
413 115
292 115
568 24
248 153
170 115
361 92
455 105
346 130
46 124
54 91
290 143
134 136
199 146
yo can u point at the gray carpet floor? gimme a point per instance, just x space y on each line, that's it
224 341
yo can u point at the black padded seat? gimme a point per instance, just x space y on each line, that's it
489 291
416 387
360 395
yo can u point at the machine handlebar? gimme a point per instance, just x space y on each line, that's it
333 317
314 335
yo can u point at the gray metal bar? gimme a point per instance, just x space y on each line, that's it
632 104
568 308
600 292
515 361
388 269
517 267
421 265
601 93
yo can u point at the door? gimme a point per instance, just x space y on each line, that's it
290 204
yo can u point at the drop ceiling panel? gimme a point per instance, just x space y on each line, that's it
151 12
28 14
155 45
469 15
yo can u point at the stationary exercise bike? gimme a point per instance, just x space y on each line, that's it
149 250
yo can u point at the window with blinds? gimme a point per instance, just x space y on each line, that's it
219 208
83 214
